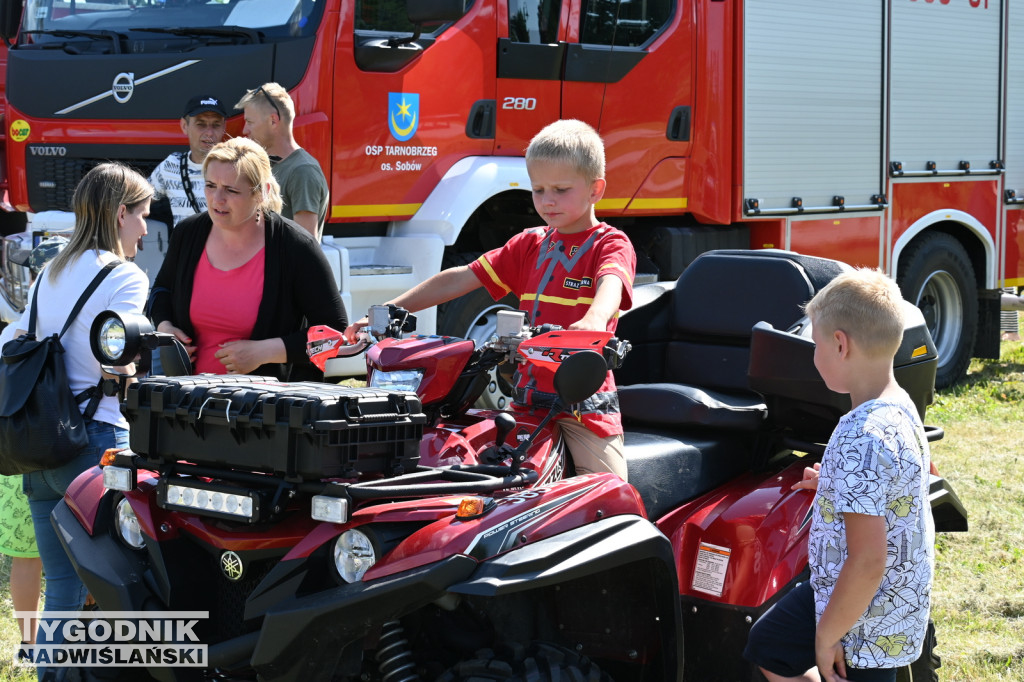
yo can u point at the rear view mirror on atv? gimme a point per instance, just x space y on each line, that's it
579 376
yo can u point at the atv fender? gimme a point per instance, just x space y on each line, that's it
613 588
593 548
111 573
306 638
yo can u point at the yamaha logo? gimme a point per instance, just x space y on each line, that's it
231 565
124 86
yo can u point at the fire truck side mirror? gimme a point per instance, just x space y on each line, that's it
10 19
435 11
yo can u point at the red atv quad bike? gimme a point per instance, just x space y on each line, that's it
393 535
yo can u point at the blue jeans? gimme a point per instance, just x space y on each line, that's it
44 489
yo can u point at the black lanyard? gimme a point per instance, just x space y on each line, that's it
186 183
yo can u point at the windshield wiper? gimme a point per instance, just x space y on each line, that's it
113 36
251 35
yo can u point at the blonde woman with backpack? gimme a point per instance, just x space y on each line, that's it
111 204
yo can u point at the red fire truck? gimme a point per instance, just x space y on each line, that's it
880 133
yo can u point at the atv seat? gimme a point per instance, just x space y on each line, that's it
667 470
691 343
692 421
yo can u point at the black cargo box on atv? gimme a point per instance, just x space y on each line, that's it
301 430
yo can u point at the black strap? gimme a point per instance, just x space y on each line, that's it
93 393
32 314
186 183
100 276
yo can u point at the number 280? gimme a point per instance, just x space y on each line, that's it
519 103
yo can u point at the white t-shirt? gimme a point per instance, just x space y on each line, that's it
124 290
877 463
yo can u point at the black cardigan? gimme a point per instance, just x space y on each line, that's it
298 286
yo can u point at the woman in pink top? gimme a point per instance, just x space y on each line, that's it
240 285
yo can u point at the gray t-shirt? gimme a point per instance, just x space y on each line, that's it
303 186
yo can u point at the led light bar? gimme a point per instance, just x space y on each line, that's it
225 503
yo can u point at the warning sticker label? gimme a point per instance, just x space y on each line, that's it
709 572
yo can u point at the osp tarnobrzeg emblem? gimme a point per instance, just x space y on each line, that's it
403 114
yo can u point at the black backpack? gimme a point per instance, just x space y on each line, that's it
41 426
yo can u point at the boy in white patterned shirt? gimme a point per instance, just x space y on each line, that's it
870 545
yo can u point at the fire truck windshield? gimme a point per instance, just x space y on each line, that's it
49 21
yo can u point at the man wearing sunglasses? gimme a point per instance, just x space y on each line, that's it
269 115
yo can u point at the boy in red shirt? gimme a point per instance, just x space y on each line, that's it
577 273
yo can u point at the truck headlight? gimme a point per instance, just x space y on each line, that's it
354 554
398 380
127 524
14 252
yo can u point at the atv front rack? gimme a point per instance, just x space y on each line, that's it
271 494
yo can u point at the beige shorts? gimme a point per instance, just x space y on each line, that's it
590 452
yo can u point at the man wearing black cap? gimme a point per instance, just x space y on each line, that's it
179 177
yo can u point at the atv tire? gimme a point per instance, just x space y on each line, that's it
925 668
539 662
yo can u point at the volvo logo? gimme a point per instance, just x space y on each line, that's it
48 151
231 565
121 90
124 86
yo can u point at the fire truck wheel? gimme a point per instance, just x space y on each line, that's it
474 316
539 662
925 668
936 274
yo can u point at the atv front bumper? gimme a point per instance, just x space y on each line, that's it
299 636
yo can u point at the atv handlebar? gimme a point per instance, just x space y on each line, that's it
391 321
383 321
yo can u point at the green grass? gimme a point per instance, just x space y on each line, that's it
9 635
978 598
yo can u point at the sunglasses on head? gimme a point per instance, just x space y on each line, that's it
271 100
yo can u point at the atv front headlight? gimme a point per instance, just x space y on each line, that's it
398 380
127 524
354 554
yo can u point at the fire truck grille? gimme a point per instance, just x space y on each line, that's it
53 171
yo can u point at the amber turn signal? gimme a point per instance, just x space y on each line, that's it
474 507
108 456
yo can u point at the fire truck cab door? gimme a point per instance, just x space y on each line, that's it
405 104
531 56
628 72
